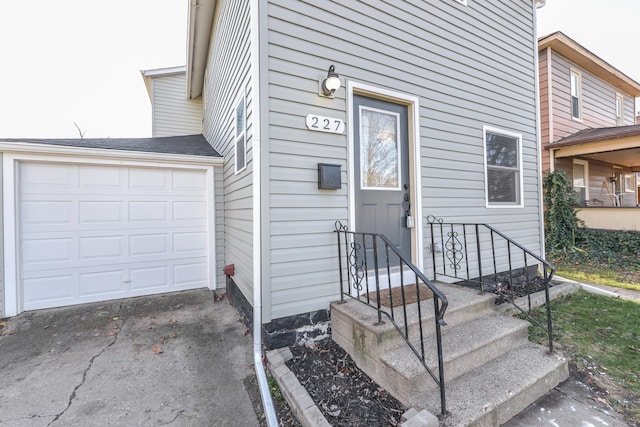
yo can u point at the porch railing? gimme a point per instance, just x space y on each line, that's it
480 256
369 262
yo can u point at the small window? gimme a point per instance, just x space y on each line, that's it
619 110
629 183
240 135
576 95
503 168
581 181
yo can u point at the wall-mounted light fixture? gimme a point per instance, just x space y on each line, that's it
331 83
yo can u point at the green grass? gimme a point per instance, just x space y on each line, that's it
601 335
601 278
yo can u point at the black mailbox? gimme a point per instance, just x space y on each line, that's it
329 176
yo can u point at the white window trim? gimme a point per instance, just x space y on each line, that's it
518 136
243 133
620 114
585 164
579 74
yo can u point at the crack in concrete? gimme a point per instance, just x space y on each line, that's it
86 371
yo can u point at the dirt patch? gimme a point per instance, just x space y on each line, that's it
344 394
283 411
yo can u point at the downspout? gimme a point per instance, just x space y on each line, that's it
537 5
265 393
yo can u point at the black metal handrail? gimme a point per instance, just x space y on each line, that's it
478 254
365 256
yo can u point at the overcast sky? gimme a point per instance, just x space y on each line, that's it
80 60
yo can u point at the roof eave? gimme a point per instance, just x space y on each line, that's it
586 59
200 23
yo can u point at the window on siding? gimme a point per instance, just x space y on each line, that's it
581 181
240 135
619 110
503 168
576 92
629 183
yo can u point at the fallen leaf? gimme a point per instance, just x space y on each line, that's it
163 340
246 332
324 351
116 326
156 349
111 333
219 297
116 318
174 321
11 332
3 324
172 335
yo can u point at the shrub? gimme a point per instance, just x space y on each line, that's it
560 219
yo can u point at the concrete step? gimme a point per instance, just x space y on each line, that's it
465 348
497 391
355 324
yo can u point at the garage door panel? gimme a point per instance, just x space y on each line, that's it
100 178
148 244
97 248
149 179
189 242
145 211
150 278
104 232
102 283
190 210
189 181
46 212
41 177
100 212
47 250
41 292
190 274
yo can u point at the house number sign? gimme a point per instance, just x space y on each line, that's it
324 124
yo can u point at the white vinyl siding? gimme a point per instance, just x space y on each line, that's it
172 113
422 49
229 74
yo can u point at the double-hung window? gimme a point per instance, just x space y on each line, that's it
619 110
503 168
576 95
240 142
581 180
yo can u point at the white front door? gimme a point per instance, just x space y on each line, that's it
97 232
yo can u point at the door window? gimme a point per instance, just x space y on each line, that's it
379 149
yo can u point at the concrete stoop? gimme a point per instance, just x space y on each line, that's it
492 371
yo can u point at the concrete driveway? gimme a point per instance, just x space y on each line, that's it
174 359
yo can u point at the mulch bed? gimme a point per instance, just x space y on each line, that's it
343 393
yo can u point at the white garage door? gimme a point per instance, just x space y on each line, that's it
91 233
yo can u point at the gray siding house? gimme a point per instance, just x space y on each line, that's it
451 76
